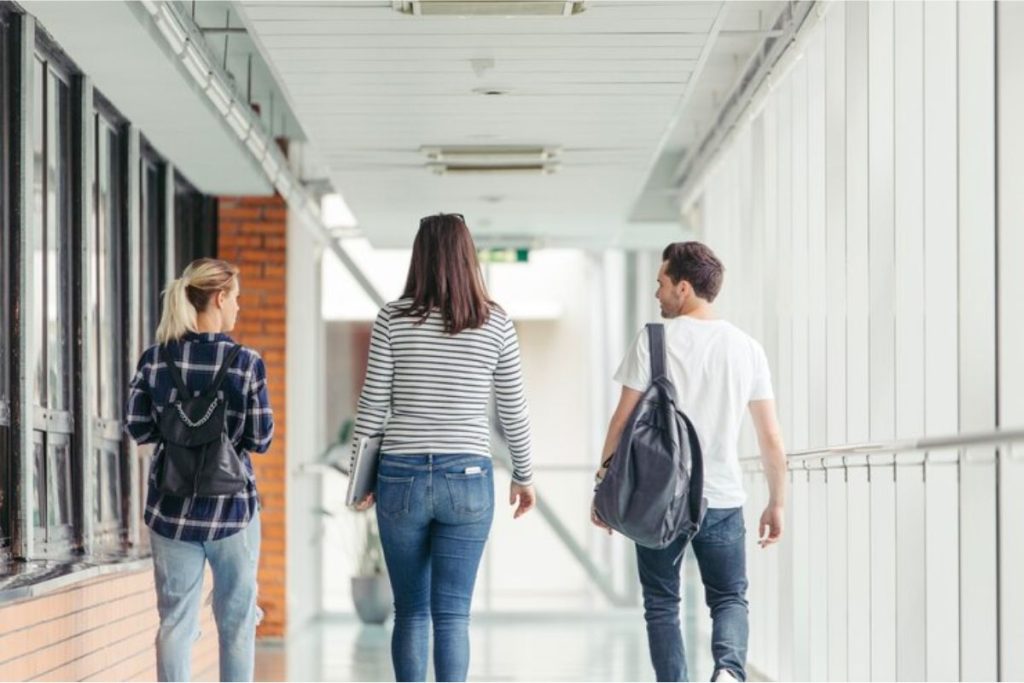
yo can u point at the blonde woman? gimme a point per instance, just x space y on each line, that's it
201 504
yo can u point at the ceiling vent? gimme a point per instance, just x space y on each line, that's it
490 8
492 159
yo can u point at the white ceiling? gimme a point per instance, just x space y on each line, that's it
617 88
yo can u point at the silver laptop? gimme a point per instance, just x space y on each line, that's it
362 477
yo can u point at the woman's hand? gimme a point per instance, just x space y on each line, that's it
524 495
365 504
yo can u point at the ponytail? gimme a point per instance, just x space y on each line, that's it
190 294
179 314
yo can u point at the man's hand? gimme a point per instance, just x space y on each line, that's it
365 504
524 495
770 529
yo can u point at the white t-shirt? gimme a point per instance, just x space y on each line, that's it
717 370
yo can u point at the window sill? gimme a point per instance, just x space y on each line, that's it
26 580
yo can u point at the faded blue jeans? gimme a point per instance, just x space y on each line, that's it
721 556
434 513
179 568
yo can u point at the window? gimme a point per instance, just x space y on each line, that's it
7 274
109 301
195 223
53 308
154 243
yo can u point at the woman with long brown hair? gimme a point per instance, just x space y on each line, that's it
435 356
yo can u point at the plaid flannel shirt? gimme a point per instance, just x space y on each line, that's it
250 425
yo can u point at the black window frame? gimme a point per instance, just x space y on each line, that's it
195 223
153 242
9 270
111 478
57 457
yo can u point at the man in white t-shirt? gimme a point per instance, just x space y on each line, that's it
719 373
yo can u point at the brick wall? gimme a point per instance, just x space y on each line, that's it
252 234
102 630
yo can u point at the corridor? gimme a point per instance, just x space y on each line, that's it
858 168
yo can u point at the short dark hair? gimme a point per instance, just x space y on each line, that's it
697 264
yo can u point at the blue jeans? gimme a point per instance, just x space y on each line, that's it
721 556
434 513
179 568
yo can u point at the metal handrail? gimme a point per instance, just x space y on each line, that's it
900 446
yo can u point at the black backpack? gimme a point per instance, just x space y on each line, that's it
653 491
199 458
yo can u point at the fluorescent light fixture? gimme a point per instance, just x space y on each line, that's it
334 212
238 120
534 159
150 6
493 8
520 169
491 155
174 34
219 95
196 63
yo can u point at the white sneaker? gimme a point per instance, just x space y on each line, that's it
725 675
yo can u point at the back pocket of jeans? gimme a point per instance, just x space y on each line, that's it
470 492
393 494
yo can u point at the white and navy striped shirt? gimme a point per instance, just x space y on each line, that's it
433 389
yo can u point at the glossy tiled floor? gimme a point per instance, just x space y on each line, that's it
605 646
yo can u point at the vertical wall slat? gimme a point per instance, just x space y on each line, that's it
977 326
1010 136
857 273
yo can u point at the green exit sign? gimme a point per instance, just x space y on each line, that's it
504 255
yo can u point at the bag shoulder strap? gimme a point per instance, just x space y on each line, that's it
222 372
172 367
656 338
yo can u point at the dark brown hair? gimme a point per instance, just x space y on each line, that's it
444 274
697 264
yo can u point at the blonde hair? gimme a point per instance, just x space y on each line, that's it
190 294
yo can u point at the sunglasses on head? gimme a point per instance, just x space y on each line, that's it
442 215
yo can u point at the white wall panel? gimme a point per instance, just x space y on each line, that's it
883 572
858 276
911 617
801 604
909 217
784 239
798 247
977 325
770 282
835 145
1010 140
882 280
838 571
817 389
942 587
817 551
858 506
940 218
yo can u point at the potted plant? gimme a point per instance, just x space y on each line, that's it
371 588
